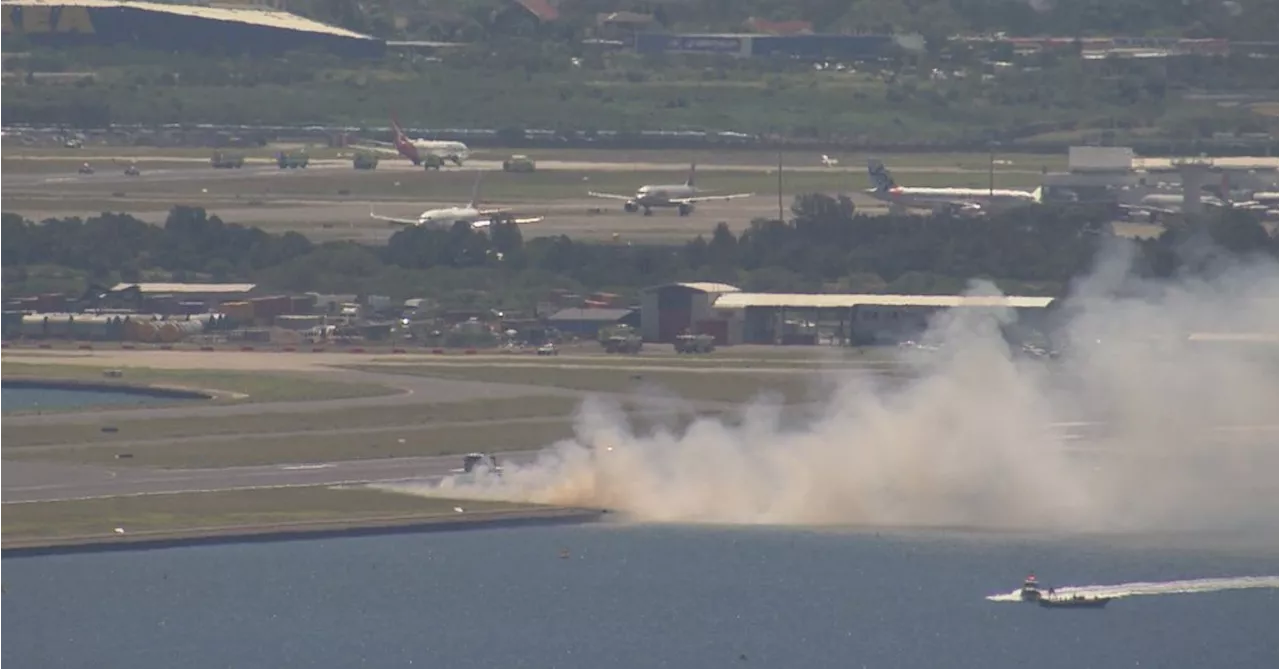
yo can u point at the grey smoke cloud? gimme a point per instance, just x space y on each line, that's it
1134 427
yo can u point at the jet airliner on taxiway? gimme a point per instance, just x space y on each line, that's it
959 200
681 196
471 213
416 150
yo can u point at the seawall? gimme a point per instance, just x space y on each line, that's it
297 531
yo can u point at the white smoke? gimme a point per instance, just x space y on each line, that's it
980 438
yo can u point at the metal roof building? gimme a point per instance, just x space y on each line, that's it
668 310
178 27
802 318
187 288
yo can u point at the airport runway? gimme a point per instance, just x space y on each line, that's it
46 482
43 482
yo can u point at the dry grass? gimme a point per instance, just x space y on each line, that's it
209 512
302 426
707 385
245 386
249 450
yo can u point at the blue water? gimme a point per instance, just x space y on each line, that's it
628 597
58 399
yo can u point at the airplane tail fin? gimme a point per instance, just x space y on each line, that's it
689 182
880 177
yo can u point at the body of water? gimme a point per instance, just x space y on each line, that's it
636 597
28 399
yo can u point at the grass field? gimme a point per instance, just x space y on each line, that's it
304 425
210 512
338 184
266 155
251 450
244 386
689 385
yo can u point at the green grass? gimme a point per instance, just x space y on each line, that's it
368 418
689 385
250 450
209 512
42 159
453 185
253 386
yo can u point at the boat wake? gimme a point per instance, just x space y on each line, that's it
1157 588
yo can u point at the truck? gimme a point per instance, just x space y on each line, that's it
365 160
620 339
226 161
518 163
695 343
292 159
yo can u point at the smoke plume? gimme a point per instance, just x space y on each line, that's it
1137 424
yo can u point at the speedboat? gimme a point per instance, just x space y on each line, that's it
1031 589
1073 602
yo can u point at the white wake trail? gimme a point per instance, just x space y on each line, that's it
1156 588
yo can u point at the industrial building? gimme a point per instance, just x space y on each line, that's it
587 323
669 310
735 317
815 47
780 318
179 27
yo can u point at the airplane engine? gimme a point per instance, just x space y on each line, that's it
685 209
457 160
631 206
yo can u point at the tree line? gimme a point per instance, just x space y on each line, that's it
825 246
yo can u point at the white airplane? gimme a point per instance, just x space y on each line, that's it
447 217
828 161
1154 206
416 150
681 196
958 200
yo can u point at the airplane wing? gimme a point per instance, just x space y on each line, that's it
708 198
609 196
393 220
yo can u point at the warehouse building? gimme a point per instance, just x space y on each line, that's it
587 323
179 27
780 318
672 309
809 47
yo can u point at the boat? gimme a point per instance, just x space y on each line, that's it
1073 602
1031 589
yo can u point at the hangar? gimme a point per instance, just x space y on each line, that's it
780 318
177 27
667 311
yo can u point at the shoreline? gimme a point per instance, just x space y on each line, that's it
296 531
124 387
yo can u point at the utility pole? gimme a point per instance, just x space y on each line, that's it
991 169
780 213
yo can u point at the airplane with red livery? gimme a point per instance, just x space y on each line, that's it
417 150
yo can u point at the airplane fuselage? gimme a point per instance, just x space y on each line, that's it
447 216
650 197
939 198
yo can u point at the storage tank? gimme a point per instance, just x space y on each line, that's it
168 332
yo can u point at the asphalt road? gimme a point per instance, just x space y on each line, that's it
46 482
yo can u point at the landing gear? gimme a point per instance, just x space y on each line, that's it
648 211
685 209
456 160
